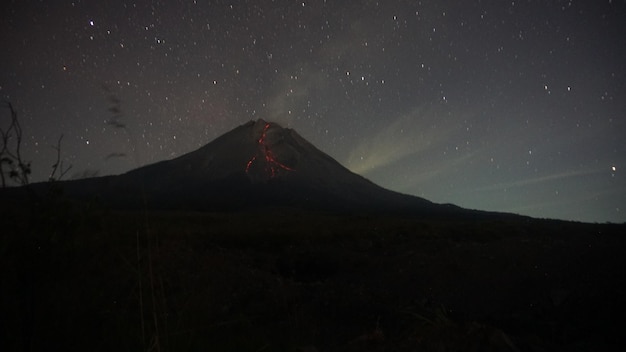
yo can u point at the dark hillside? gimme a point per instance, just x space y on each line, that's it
286 280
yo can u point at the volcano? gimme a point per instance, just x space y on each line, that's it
257 164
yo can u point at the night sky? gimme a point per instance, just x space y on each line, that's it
516 106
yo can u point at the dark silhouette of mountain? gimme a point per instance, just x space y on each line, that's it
256 164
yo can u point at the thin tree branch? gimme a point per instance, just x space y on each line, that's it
58 165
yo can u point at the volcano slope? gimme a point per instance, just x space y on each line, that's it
256 164
98 265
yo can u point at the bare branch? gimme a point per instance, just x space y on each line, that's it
58 165
19 169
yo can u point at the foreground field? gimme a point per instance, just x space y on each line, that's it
287 280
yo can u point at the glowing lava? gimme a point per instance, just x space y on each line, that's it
272 166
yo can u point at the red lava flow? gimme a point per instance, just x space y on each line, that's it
272 166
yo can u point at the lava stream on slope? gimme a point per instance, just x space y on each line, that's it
272 165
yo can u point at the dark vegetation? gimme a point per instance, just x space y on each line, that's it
17 169
82 277
13 165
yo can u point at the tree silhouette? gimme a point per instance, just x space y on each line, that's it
10 152
12 163
57 167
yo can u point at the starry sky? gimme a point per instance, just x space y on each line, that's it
516 106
